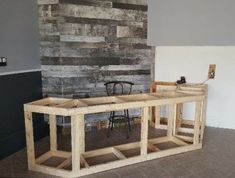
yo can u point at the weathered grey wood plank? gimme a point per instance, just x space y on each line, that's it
139 2
41 2
102 13
100 3
74 38
130 6
101 21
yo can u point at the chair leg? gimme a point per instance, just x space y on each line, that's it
112 120
127 129
108 134
128 119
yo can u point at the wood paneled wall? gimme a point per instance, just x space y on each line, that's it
84 43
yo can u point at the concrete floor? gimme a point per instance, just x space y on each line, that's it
215 160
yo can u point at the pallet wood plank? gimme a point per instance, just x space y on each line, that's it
75 121
53 132
198 115
29 139
144 131
171 120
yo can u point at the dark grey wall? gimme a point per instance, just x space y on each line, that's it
19 35
19 43
191 22
16 90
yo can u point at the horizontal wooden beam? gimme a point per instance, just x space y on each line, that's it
185 138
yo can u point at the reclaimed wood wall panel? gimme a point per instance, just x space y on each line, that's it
85 43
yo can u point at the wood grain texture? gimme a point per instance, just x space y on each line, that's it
85 43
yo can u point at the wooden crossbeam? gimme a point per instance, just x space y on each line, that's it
62 154
65 163
152 147
118 153
179 141
44 157
185 138
84 162
98 152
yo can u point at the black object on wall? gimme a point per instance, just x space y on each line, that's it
15 90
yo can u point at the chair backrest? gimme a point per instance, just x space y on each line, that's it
118 88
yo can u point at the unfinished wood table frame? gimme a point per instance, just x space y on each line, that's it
76 109
183 125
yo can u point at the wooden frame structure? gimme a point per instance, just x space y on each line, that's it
76 109
184 127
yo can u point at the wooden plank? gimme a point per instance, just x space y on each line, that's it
66 163
185 138
75 121
46 2
84 162
152 147
171 120
204 111
159 140
102 13
179 142
118 153
62 154
186 130
81 133
98 152
53 132
198 115
179 116
44 157
187 122
29 139
157 116
144 131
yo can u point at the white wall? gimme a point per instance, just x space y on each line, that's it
192 62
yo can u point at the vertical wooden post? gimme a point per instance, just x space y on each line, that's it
157 116
53 132
82 133
29 139
77 139
171 124
198 115
144 131
179 110
203 118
